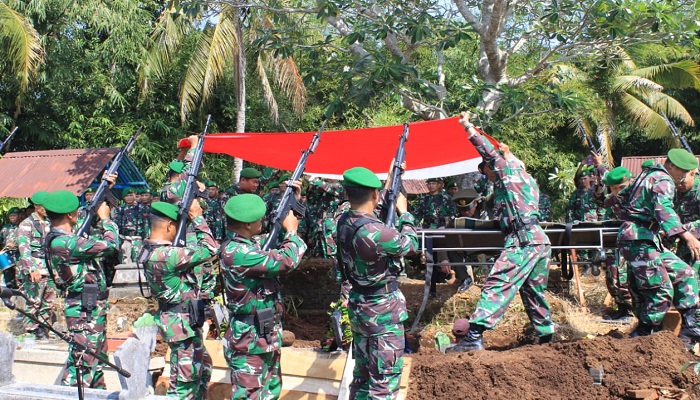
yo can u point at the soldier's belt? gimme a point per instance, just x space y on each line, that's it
248 318
527 224
104 295
651 225
388 287
38 254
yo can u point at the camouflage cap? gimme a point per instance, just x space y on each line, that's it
250 173
177 166
38 197
648 163
460 327
361 177
13 210
682 159
164 209
617 176
61 202
245 208
464 197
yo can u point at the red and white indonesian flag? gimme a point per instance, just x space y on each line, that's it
434 149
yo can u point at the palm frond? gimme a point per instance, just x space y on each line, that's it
22 43
166 37
289 81
206 67
679 75
268 95
625 83
645 117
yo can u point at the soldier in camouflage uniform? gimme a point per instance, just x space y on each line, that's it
659 278
545 207
249 183
214 213
169 271
369 257
323 199
484 187
253 341
9 243
587 199
451 187
73 259
521 267
616 279
129 218
436 207
38 286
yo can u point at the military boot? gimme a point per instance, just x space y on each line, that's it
689 326
623 314
472 341
546 339
645 330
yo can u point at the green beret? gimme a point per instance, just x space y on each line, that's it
245 208
617 176
91 190
128 191
273 184
648 163
177 166
361 177
38 197
250 173
682 159
434 180
285 177
61 202
13 210
211 183
155 193
451 184
164 209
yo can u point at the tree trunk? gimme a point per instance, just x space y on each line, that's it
240 62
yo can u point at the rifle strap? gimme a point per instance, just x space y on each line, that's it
60 285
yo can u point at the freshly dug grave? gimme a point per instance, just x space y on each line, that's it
557 371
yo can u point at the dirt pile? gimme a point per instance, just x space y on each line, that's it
556 371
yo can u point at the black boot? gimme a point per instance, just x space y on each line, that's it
466 284
622 314
546 339
689 326
470 342
645 330
40 334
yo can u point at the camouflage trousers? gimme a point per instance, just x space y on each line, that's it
616 279
378 363
255 376
40 298
88 329
518 269
190 368
130 249
205 274
658 279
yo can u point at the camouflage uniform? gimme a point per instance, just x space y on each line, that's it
687 206
616 279
214 214
168 271
132 225
545 207
30 244
582 206
377 308
484 188
659 277
7 237
520 268
433 210
74 258
251 279
323 199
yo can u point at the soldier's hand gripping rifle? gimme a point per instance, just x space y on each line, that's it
396 182
675 133
4 143
582 131
191 189
288 200
103 191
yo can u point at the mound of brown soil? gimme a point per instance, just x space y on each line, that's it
556 371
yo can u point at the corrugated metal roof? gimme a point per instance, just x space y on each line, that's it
634 164
24 173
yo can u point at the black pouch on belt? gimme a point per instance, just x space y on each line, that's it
89 296
197 314
265 321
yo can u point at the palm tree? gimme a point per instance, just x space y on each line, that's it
635 93
23 50
221 45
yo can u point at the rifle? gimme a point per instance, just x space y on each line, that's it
516 223
582 130
191 189
396 172
675 133
2 146
103 190
337 328
288 201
